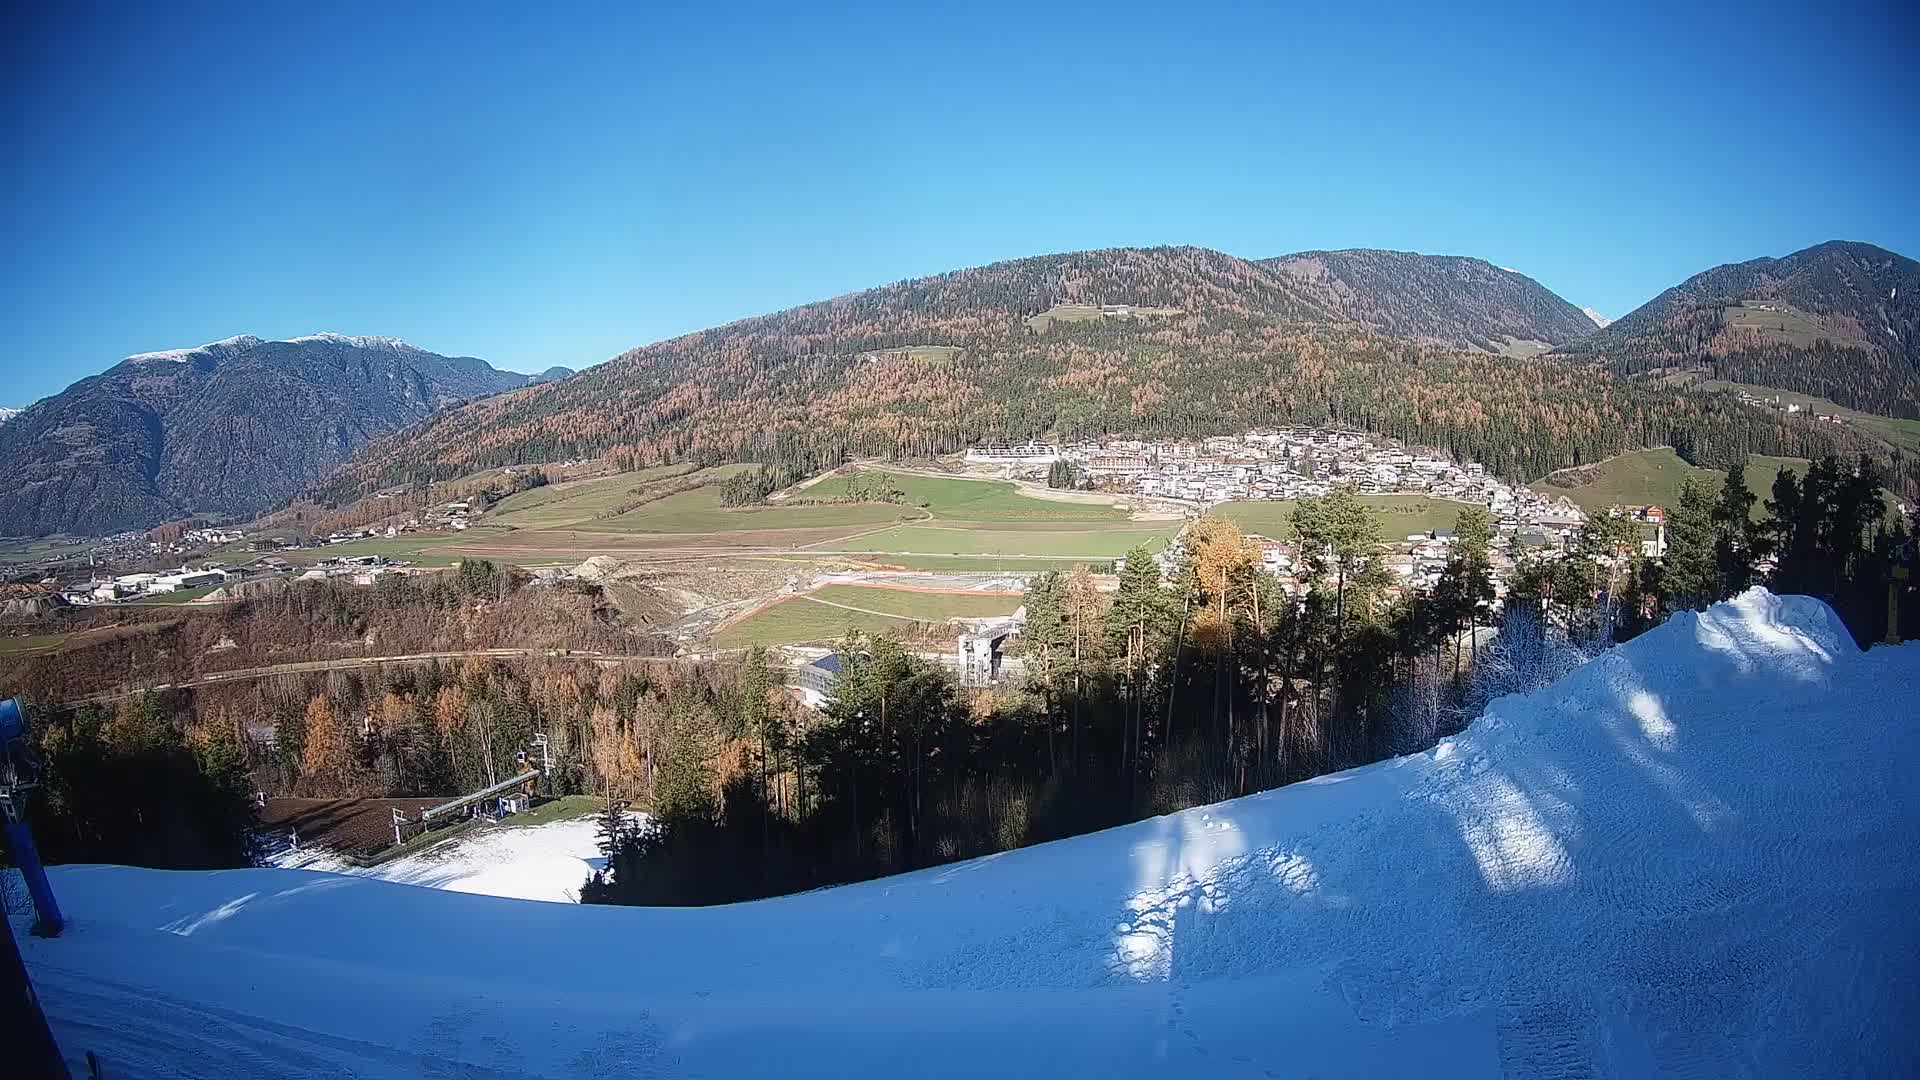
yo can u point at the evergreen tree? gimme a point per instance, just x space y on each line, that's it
1735 535
1692 574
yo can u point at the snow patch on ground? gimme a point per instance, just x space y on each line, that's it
1690 857
538 862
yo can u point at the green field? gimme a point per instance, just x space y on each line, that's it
1654 477
1400 516
29 550
924 606
797 620
984 564
699 511
801 620
1787 324
963 499
417 548
959 516
579 501
935 540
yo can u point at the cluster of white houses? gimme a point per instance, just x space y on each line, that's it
1280 464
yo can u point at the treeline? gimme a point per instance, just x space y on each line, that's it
479 605
321 518
751 487
441 728
814 387
130 785
1216 683
166 778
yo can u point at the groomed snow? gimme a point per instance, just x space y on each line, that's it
1693 857
539 862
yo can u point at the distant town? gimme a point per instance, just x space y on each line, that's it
1183 477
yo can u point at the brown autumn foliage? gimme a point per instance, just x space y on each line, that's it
1252 345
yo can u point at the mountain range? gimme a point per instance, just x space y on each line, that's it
229 427
1440 299
1441 351
1438 350
1839 320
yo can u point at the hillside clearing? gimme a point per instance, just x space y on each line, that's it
1653 477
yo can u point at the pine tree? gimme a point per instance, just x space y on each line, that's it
1735 536
1692 575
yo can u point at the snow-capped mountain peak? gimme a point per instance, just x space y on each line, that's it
175 356
358 341
1598 319
8 414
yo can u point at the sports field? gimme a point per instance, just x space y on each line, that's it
1400 516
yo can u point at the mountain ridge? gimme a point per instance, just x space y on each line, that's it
1171 341
1839 319
1443 299
230 426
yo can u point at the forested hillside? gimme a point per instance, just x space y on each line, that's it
1839 320
1443 299
234 426
933 365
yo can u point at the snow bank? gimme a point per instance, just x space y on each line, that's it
1693 856
540 862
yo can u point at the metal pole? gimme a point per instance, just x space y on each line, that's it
31 1046
20 771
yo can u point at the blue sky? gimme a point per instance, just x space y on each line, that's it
554 191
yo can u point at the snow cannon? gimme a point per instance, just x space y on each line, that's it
20 774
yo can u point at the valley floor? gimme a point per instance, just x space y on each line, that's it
1691 857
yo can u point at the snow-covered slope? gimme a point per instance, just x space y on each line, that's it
1692 857
540 862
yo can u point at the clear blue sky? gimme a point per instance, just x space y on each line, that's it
553 191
